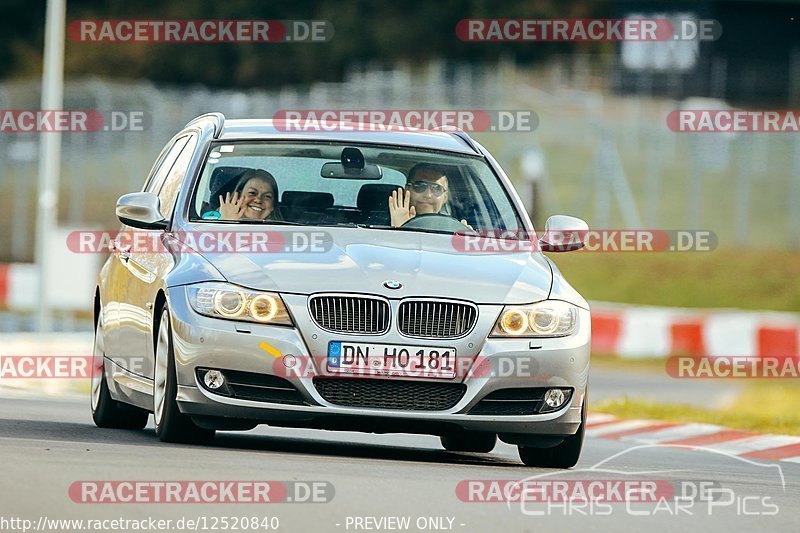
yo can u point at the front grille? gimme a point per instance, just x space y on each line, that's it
513 402
256 387
350 314
387 394
436 319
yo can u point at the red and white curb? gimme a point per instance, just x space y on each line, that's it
640 331
708 436
18 285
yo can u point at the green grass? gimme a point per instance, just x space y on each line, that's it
746 279
765 406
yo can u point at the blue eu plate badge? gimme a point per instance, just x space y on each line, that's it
334 354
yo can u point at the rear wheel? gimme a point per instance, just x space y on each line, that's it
171 424
469 441
565 455
106 411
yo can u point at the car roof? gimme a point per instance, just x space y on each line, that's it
272 129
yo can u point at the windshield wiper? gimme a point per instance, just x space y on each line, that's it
256 222
378 226
340 225
291 223
418 230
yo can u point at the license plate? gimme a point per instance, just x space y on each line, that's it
391 360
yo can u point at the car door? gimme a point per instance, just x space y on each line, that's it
146 267
122 314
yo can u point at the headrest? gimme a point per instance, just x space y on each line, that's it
223 177
373 196
223 180
306 199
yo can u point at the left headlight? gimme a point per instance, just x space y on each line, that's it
235 303
550 318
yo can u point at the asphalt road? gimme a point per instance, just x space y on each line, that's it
47 445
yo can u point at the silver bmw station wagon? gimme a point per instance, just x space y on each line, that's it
374 281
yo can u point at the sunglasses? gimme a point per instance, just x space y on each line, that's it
420 186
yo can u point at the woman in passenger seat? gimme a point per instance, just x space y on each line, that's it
255 197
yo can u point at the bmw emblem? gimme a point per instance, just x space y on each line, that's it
392 284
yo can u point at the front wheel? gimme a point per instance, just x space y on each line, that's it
106 411
565 455
171 424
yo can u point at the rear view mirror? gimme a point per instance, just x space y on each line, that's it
352 166
563 233
338 171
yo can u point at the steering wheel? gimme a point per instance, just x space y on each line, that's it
436 222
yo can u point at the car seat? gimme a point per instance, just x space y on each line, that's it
223 180
306 206
373 202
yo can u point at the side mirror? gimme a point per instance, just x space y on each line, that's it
563 233
141 210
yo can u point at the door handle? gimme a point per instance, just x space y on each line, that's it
123 251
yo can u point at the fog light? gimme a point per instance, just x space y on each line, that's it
214 379
554 397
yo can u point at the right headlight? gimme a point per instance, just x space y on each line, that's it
222 300
550 318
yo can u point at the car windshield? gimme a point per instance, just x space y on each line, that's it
350 184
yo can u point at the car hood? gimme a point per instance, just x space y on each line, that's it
361 260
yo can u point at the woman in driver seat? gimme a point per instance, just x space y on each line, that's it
426 192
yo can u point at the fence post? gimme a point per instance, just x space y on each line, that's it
742 214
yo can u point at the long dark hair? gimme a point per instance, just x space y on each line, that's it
263 175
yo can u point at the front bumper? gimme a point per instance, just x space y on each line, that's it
204 342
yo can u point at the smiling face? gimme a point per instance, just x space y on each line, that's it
424 195
259 199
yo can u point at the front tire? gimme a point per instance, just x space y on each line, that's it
565 455
171 424
106 411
